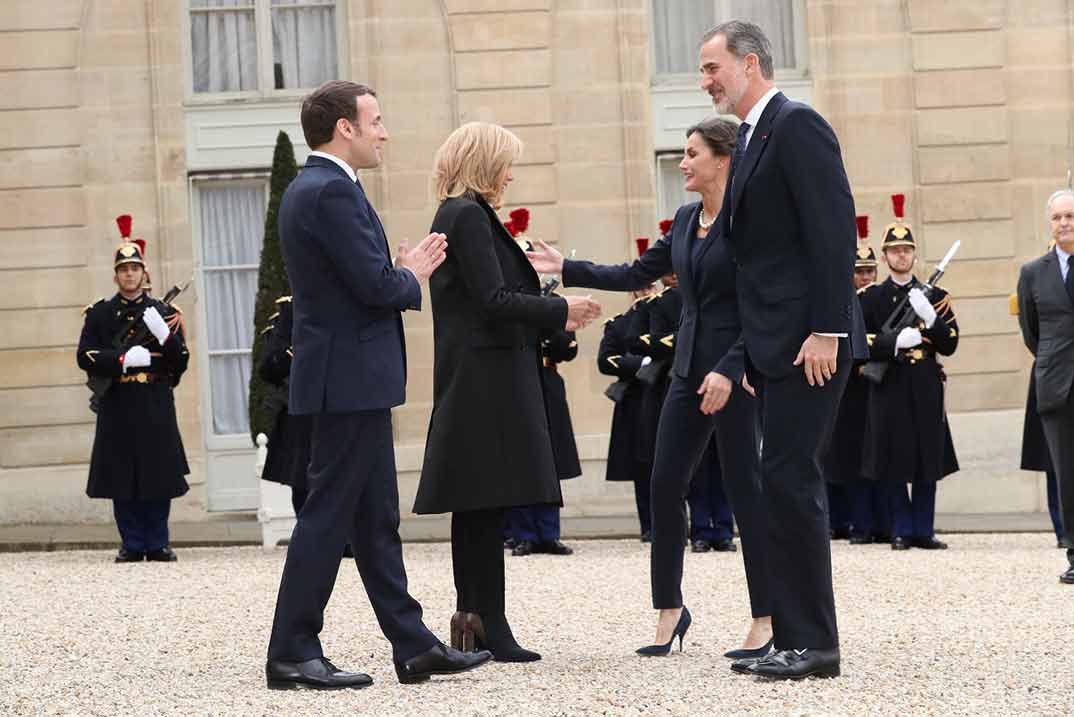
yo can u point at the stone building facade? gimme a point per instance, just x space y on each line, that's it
141 107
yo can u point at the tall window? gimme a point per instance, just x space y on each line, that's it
678 25
232 221
669 185
258 47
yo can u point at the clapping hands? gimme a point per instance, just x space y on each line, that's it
423 259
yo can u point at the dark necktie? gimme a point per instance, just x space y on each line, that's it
1070 277
736 158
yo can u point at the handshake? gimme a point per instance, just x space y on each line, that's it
581 311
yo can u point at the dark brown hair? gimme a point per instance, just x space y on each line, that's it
326 105
719 134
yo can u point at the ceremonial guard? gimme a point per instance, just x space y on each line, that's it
133 350
535 528
869 510
289 445
908 442
629 459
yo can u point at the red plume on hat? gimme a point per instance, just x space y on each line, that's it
863 226
123 221
643 244
520 220
141 246
898 201
665 227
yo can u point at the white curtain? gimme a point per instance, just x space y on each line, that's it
223 46
232 224
672 195
679 24
303 44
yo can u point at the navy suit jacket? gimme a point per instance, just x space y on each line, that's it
348 332
789 215
708 334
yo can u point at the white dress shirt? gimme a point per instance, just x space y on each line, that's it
754 115
333 158
1064 262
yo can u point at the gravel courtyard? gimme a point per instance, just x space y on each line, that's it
984 628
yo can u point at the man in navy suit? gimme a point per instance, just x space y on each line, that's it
788 215
349 370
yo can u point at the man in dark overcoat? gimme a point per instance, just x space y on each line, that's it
908 442
137 343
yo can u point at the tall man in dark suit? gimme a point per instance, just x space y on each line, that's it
1046 315
788 214
349 370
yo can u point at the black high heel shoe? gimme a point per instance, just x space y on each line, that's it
493 633
680 631
746 653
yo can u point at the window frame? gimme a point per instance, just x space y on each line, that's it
783 76
265 77
213 440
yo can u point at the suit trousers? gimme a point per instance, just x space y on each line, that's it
477 560
1053 504
142 524
1059 432
838 507
353 498
681 438
643 493
796 422
711 518
871 509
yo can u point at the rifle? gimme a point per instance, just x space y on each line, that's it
903 316
124 339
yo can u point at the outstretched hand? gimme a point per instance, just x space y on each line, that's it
581 311
424 258
545 259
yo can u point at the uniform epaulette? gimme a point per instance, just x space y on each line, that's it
283 299
91 305
610 320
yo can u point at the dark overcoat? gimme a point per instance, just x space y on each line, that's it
557 347
488 444
843 464
907 421
626 452
288 456
1035 456
137 450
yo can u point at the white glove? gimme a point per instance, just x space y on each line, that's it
922 307
908 338
646 361
136 356
153 320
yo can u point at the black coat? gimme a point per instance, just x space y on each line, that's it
137 450
556 348
289 445
1035 456
657 323
906 412
843 464
488 444
626 452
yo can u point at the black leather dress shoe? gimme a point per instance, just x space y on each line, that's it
554 547
509 543
315 674
901 543
439 660
700 546
725 546
797 665
929 544
523 547
840 533
129 556
647 537
164 555
1067 578
860 539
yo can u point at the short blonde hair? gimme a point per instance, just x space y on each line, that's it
474 158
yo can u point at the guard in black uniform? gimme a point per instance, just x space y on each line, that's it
908 442
535 528
628 457
289 445
138 459
870 509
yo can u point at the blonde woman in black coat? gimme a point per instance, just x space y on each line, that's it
489 446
